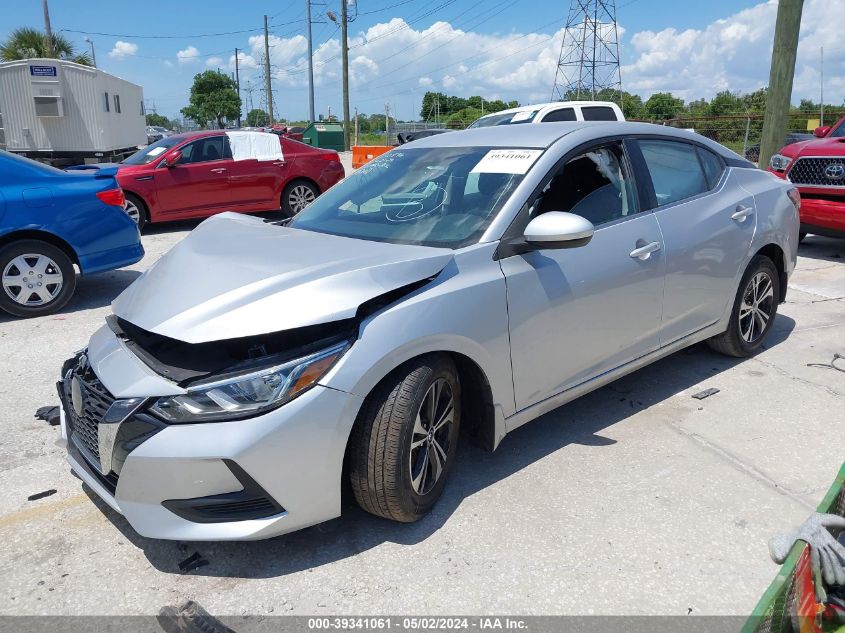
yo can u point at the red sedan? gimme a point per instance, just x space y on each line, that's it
195 175
817 168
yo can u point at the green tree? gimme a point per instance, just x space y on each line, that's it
462 118
26 43
214 97
662 106
160 120
257 117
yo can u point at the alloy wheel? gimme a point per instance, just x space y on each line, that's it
132 211
430 437
756 307
300 197
32 279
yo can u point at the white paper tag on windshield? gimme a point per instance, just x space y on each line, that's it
507 161
156 151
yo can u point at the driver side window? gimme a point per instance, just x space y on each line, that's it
595 185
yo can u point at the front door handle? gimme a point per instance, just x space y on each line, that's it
741 213
644 252
219 170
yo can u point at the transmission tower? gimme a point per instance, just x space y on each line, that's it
589 53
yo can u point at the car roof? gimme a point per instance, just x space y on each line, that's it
540 106
545 135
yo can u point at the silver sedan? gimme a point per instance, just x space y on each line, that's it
467 281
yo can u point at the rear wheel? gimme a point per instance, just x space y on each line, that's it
38 278
403 444
754 310
137 210
298 195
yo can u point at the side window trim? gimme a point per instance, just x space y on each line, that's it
698 152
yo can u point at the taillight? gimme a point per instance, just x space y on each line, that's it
113 197
795 198
329 156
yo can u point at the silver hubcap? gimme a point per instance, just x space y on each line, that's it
300 197
132 211
756 307
32 279
430 440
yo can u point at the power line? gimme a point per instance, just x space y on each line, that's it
177 37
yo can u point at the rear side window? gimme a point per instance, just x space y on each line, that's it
564 114
676 173
598 113
713 166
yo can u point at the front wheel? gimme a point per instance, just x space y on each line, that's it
298 195
403 444
137 210
754 310
38 278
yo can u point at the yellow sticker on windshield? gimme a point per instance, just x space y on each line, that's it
507 161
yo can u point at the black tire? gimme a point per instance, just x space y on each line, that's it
62 292
380 451
143 212
732 342
292 195
801 236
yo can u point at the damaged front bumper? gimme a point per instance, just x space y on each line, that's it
229 480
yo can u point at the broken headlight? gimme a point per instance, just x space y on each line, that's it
248 394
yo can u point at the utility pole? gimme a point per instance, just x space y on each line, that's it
821 119
238 84
267 80
387 124
356 126
782 72
344 54
310 62
47 30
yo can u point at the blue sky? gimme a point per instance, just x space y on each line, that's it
401 48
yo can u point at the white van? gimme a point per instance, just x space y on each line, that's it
557 111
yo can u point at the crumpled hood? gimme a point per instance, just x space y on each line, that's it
237 275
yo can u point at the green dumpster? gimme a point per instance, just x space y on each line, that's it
325 135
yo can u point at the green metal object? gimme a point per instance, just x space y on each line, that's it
325 135
772 611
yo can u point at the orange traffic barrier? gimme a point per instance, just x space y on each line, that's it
363 154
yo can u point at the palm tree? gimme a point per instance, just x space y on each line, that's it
26 43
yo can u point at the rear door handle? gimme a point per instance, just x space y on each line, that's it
741 213
644 252
279 163
218 170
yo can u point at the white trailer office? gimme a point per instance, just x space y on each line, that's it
66 113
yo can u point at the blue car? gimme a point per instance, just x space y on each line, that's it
51 220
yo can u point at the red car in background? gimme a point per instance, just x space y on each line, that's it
193 175
817 168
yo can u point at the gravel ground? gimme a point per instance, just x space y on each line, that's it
636 499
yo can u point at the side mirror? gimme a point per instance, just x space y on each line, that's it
172 158
558 229
822 131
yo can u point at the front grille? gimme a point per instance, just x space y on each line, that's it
811 172
260 506
97 400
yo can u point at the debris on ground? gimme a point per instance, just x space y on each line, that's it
701 395
831 364
194 561
41 495
48 414
189 617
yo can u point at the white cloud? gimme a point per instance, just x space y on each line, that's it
425 82
188 55
211 62
123 49
244 61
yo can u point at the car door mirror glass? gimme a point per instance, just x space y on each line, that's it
558 229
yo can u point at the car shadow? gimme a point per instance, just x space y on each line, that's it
822 248
91 292
579 422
